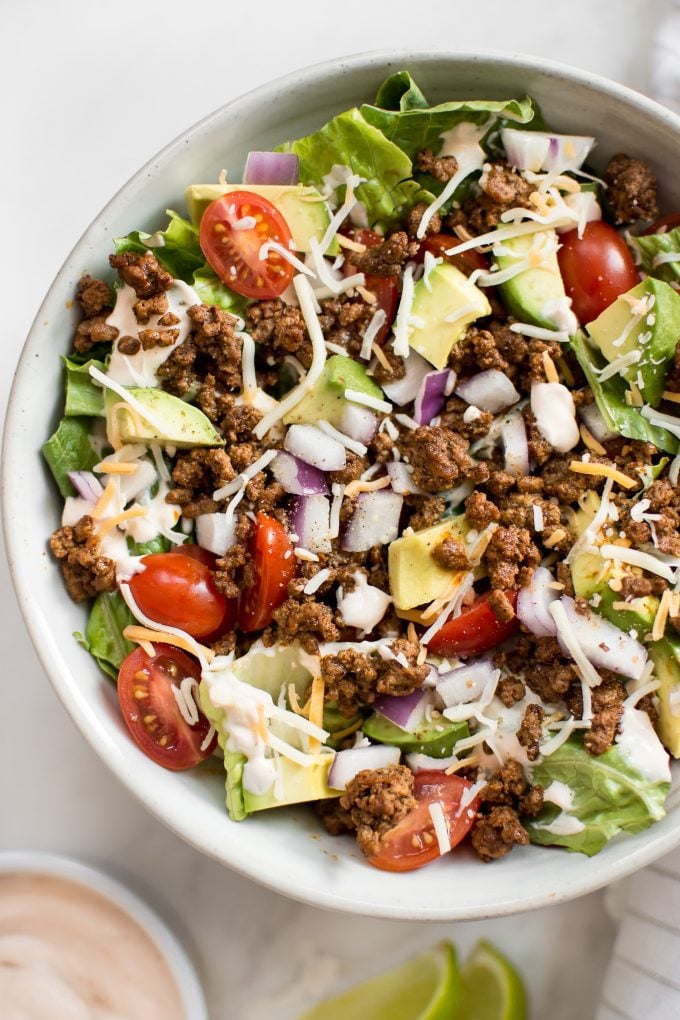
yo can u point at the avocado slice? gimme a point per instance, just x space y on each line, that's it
303 208
666 656
435 738
446 294
655 335
327 399
415 577
179 424
536 295
299 784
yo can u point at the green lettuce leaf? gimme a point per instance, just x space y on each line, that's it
349 140
212 291
103 638
611 400
400 92
159 544
413 128
609 797
660 244
82 396
70 449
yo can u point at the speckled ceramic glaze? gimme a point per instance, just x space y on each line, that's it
286 849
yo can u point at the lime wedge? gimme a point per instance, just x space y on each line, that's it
426 987
492 988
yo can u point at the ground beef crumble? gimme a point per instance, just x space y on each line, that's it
211 349
86 572
196 475
354 679
143 272
607 708
386 258
450 554
94 297
439 458
631 189
506 798
377 800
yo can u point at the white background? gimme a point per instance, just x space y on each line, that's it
88 92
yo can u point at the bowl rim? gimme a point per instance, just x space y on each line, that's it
94 728
38 862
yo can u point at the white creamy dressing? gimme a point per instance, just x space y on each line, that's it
140 369
586 206
558 311
69 952
563 824
462 141
559 794
504 738
553 408
641 748
364 607
75 507
160 518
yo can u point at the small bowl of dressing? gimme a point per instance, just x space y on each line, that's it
77 945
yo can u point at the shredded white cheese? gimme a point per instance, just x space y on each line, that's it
401 325
375 325
584 667
315 582
245 476
350 444
441 827
539 333
357 397
638 558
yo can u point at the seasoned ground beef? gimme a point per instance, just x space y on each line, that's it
211 349
93 296
439 458
442 168
450 554
196 475
335 819
308 622
354 468
377 800
86 572
143 272
453 417
386 258
539 662
511 557
503 189
501 606
235 570
427 511
530 731
414 218
494 835
607 709
354 679
510 690
518 508
235 421
480 511
567 486
344 320
278 329
93 331
631 189
506 798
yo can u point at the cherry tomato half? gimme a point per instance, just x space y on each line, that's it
439 244
474 631
664 224
413 843
196 552
150 708
178 590
232 232
595 268
385 288
272 553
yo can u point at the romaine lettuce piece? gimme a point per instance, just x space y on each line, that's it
103 638
610 796
82 396
70 449
653 248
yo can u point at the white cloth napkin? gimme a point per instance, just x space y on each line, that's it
643 978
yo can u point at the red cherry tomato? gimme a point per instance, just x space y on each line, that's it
150 708
413 843
232 232
208 558
664 224
474 631
178 590
595 268
439 244
272 553
196 552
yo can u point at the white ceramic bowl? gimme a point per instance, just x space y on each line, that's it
286 849
33 863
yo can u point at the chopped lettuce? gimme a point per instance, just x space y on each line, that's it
82 396
70 449
659 245
400 92
611 400
609 797
212 291
348 140
103 638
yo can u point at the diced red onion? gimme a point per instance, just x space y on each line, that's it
540 150
603 644
86 485
595 423
359 423
515 445
271 168
403 391
466 683
402 479
310 444
349 763
216 532
310 520
490 391
533 602
375 520
406 712
297 477
431 396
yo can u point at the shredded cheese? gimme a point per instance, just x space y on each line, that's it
670 395
286 254
554 537
562 735
604 471
401 324
127 398
168 635
375 325
637 558
539 522
116 467
549 368
103 501
664 421
508 233
350 444
316 711
315 582
539 333
357 486
591 442
353 181
584 667
617 366
441 827
357 397
661 616
380 356
126 515
245 476
164 637
294 702
305 296
336 506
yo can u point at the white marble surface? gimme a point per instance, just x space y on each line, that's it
90 91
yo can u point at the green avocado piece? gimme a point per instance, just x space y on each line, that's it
303 208
415 577
666 656
335 722
435 738
446 294
298 783
178 423
327 400
536 295
619 331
